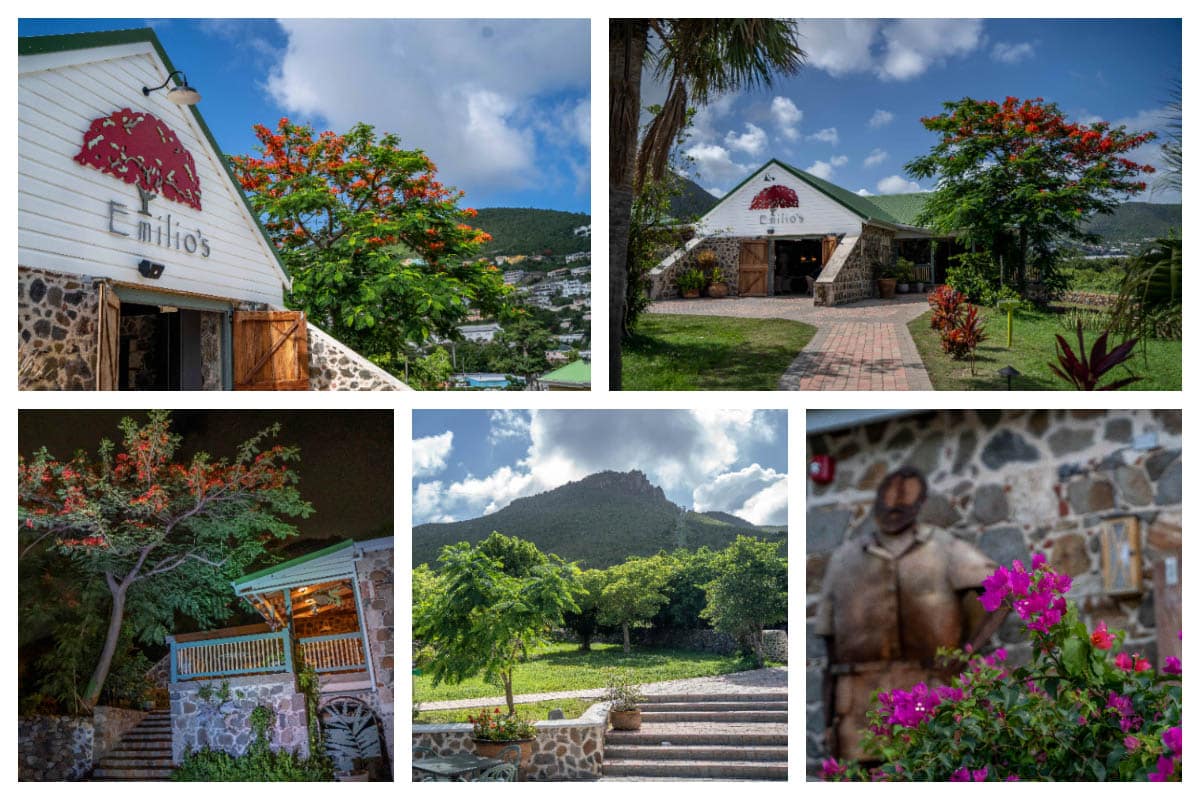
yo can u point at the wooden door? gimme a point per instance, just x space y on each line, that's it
828 245
752 268
108 346
270 350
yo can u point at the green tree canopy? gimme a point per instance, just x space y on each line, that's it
157 536
379 251
633 593
523 344
585 622
1021 167
749 592
690 571
485 620
518 557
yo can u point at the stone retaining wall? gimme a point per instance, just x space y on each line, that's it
56 748
568 750
376 576
1092 299
728 250
775 645
225 725
851 277
110 724
1014 483
332 366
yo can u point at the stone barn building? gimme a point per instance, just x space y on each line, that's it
140 264
783 231
1098 493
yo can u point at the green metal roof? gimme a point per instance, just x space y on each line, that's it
60 43
903 208
578 372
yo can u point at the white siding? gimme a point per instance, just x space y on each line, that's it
820 214
63 206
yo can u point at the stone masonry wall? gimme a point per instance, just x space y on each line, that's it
141 332
1014 483
225 725
56 326
210 350
110 724
333 366
728 250
54 748
376 575
570 750
854 278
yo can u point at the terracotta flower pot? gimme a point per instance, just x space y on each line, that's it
691 294
490 749
626 720
887 287
718 290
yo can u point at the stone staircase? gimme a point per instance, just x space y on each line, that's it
143 754
708 737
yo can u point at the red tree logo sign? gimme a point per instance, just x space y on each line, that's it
775 197
139 148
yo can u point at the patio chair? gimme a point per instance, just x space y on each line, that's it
511 755
501 772
421 751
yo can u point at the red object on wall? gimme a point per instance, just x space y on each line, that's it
140 148
821 469
775 197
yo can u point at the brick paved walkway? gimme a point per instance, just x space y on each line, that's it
857 347
755 681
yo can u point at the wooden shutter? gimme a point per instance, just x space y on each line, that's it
108 346
752 268
270 350
828 245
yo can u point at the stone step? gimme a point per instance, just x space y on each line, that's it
760 770
725 697
134 774
676 751
113 761
771 705
694 738
158 744
134 736
651 717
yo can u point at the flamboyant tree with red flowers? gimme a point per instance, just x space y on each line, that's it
1020 169
160 535
379 251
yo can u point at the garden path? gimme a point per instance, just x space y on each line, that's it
752 681
859 346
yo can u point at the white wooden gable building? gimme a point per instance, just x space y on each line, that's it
141 264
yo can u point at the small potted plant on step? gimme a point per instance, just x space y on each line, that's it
690 283
625 699
492 731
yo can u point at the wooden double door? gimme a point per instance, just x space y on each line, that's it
753 265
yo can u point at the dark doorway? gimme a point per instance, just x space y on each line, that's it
797 261
160 348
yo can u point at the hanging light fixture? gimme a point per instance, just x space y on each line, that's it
181 95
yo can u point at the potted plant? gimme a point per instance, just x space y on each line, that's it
885 279
716 283
492 731
904 275
690 283
714 278
625 699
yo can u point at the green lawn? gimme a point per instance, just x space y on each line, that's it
683 352
570 706
1033 349
562 668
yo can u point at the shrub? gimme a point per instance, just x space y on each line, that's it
258 763
690 280
1085 370
947 304
493 726
961 340
622 692
976 275
1074 713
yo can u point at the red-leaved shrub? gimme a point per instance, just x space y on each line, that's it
947 304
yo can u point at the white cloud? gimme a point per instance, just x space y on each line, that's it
753 141
827 135
864 193
755 493
507 424
1012 52
880 118
716 191
787 117
714 163
430 452
893 50
895 184
825 169
876 157
469 93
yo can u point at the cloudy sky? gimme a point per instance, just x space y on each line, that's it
501 106
853 113
470 463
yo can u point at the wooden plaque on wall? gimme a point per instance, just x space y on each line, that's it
1121 555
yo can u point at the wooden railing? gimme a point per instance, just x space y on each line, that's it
263 653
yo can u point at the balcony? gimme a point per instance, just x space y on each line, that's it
193 658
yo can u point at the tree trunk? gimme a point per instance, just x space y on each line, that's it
626 48
506 679
115 619
1021 256
625 633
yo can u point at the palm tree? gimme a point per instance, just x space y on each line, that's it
699 59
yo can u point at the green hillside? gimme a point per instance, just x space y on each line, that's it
694 202
1133 222
532 231
599 521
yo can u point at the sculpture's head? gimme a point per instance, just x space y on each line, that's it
899 499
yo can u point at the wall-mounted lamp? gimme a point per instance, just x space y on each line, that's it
181 95
150 269
770 231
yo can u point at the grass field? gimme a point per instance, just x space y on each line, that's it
571 709
562 668
1033 350
683 352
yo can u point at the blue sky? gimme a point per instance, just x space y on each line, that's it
852 114
501 106
470 463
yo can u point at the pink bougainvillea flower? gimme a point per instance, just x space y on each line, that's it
830 768
1123 662
1173 740
1140 664
1163 771
1131 743
1172 666
1101 638
1037 561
